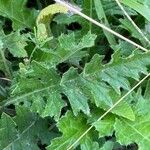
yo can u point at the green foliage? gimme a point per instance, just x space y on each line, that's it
138 131
11 9
15 42
102 17
139 7
22 131
60 73
71 124
35 87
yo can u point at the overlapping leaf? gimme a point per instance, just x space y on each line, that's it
17 11
111 8
81 88
22 131
89 145
138 131
69 49
41 87
75 126
15 42
117 72
90 88
73 88
139 7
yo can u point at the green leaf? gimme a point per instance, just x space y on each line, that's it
147 93
137 131
54 101
73 90
16 10
3 92
121 108
139 7
108 146
7 130
69 47
126 24
84 87
105 126
129 132
23 131
72 79
71 128
99 93
2 67
111 8
78 90
63 20
15 42
89 145
40 86
4 63
125 49
118 70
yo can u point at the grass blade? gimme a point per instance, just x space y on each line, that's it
101 16
101 117
133 23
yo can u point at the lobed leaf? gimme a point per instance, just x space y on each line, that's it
16 10
24 130
75 126
117 72
15 42
40 86
137 131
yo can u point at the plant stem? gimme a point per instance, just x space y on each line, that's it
32 53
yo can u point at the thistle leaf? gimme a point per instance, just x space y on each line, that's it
40 85
75 126
137 131
23 131
17 11
15 42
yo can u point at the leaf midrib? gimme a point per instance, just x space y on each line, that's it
24 131
136 130
14 100
120 63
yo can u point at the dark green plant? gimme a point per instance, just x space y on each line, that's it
59 76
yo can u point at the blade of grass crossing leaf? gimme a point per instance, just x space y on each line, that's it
70 7
110 109
20 136
133 23
101 16
137 6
